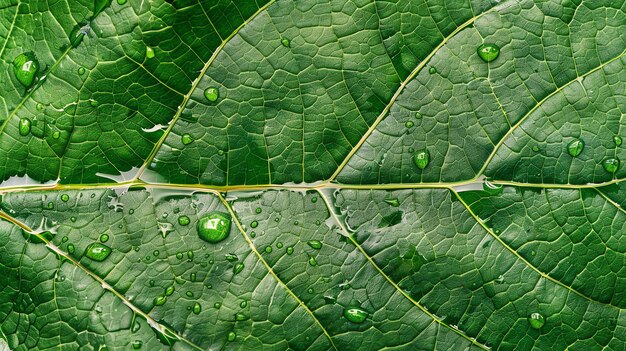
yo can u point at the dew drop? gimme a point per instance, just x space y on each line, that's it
211 94
617 140
189 294
192 277
536 320
26 67
258 210
535 148
355 314
169 290
81 70
190 255
104 238
611 165
183 220
315 244
418 115
432 70
286 43
268 249
243 304
149 52
488 52
121 2
238 268
421 158
64 239
217 305
240 317
254 224
289 250
230 257
71 248
409 124
179 255
24 126
312 261
137 343
393 202
197 308
279 245
155 253
232 336
97 252
65 198
575 147
186 139
160 300
214 227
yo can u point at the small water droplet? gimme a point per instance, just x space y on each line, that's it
393 202
211 94
355 314
217 305
238 268
155 253
71 248
536 320
232 336
169 290
240 317
97 252
121 2
186 139
535 148
258 210
418 115
149 52
81 70
421 158
160 300
611 165
409 124
192 277
243 304
137 343
26 67
64 239
214 227
179 255
575 147
315 244
254 224
488 52
230 257
312 261
279 245
286 43
289 250
432 70
65 198
24 126
189 294
314 199
183 220
197 308
190 255
268 249
104 238
310 290
617 140
73 219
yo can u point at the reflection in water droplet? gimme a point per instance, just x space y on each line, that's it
169 290
211 94
26 67
355 314
575 147
243 304
611 165
70 248
24 126
240 317
214 227
488 52
421 158
536 320
97 252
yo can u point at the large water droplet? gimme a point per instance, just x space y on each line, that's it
575 147
97 252
211 94
421 158
488 52
197 308
315 244
355 314
186 139
611 165
24 126
536 320
214 227
26 67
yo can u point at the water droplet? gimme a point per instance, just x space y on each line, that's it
73 219
432 70
183 220
611 165
409 124
39 107
190 255
289 250
232 336
258 210
104 238
160 300
149 52
189 294
488 52
575 147
155 253
254 224
97 252
418 115
314 199
617 140
135 327
197 308
536 320
217 305
535 148
64 239
186 139
214 227
65 198
315 244
179 255
230 257
310 290
240 317
279 245
286 43
192 277
71 248
137 343
421 158
24 126
211 94
26 67
268 249
50 205
312 261
393 202
243 304
169 290
253 234
131 211
121 2
355 314
81 70
238 268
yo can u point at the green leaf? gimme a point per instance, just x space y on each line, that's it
312 175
